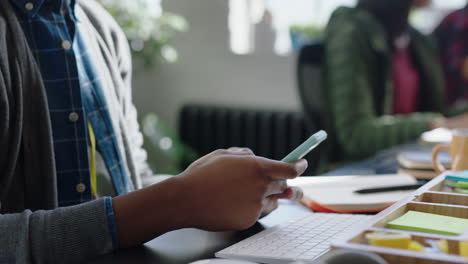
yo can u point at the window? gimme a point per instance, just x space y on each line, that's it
246 15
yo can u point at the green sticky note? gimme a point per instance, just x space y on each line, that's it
462 184
430 223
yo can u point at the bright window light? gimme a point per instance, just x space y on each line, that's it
244 15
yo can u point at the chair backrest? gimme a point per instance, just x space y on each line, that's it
310 83
312 93
269 133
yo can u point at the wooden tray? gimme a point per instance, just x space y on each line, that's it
434 198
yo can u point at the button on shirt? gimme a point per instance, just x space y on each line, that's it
47 28
73 93
96 109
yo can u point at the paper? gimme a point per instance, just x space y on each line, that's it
430 223
437 136
337 192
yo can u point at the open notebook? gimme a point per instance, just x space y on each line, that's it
336 193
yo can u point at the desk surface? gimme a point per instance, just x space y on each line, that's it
188 245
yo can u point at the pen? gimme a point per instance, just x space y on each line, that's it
390 188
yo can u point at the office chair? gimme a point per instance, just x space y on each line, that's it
310 83
312 93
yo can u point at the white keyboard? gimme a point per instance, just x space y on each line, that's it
302 239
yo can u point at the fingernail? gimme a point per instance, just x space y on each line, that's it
239 149
301 166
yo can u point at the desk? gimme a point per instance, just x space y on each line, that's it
187 245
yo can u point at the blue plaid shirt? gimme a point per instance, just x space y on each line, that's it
97 112
50 36
75 95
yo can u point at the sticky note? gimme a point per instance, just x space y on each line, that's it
462 184
416 246
442 245
463 246
458 176
430 223
389 240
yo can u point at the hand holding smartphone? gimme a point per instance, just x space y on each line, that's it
306 147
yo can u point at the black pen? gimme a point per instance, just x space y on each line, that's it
390 188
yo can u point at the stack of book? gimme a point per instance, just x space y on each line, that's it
419 163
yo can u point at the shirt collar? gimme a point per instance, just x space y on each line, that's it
32 7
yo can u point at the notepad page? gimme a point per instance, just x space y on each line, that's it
339 190
430 223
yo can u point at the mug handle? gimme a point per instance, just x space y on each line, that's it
438 167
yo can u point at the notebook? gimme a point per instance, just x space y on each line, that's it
419 174
422 160
430 223
335 194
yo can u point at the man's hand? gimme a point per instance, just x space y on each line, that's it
225 190
231 189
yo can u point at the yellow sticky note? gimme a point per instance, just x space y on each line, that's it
463 246
416 246
443 245
389 240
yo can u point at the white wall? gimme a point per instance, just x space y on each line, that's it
208 72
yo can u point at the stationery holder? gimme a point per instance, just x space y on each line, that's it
432 198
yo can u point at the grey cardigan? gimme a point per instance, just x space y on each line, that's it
27 169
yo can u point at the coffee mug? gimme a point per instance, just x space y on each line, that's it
458 150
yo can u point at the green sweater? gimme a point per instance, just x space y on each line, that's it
359 86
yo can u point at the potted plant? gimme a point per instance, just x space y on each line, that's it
303 34
148 28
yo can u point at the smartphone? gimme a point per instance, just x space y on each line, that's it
306 147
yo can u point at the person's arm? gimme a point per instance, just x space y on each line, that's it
459 121
225 190
358 128
64 235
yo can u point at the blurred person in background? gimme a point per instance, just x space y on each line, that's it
452 41
383 81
